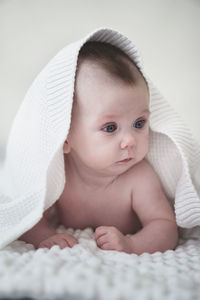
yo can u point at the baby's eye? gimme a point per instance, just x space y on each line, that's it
109 128
139 124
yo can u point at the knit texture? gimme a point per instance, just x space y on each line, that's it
32 177
86 272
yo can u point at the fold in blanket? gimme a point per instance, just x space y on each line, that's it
32 175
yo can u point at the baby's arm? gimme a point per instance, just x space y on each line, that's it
159 232
41 231
43 236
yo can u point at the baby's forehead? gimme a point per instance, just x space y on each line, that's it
100 112
91 74
96 89
93 71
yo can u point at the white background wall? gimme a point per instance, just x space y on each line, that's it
167 33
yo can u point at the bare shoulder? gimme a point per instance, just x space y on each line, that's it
146 179
142 177
148 197
143 171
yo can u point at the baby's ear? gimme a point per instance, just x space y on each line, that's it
66 147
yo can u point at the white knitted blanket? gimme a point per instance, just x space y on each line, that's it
32 177
85 272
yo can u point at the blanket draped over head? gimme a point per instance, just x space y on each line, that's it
32 174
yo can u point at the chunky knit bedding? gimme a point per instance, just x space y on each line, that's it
32 177
86 272
34 168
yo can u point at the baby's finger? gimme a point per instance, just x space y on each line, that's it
42 246
101 241
100 231
107 246
71 240
45 245
62 244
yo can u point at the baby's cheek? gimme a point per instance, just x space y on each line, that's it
143 147
98 157
146 144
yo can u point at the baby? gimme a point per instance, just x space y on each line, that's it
110 186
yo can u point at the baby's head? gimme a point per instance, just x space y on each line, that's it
110 114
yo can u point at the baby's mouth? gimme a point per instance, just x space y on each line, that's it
125 160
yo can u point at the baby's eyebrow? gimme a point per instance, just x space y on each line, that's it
110 116
146 111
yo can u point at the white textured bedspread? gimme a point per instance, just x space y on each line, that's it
87 272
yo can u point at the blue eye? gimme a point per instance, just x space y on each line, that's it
139 124
110 128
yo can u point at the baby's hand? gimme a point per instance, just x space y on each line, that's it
63 240
110 238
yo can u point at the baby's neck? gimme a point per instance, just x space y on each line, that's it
86 176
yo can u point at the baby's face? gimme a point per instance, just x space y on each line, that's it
110 121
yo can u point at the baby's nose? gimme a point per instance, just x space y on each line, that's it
128 140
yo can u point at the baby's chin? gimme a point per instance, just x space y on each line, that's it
121 167
114 168
124 165
118 168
